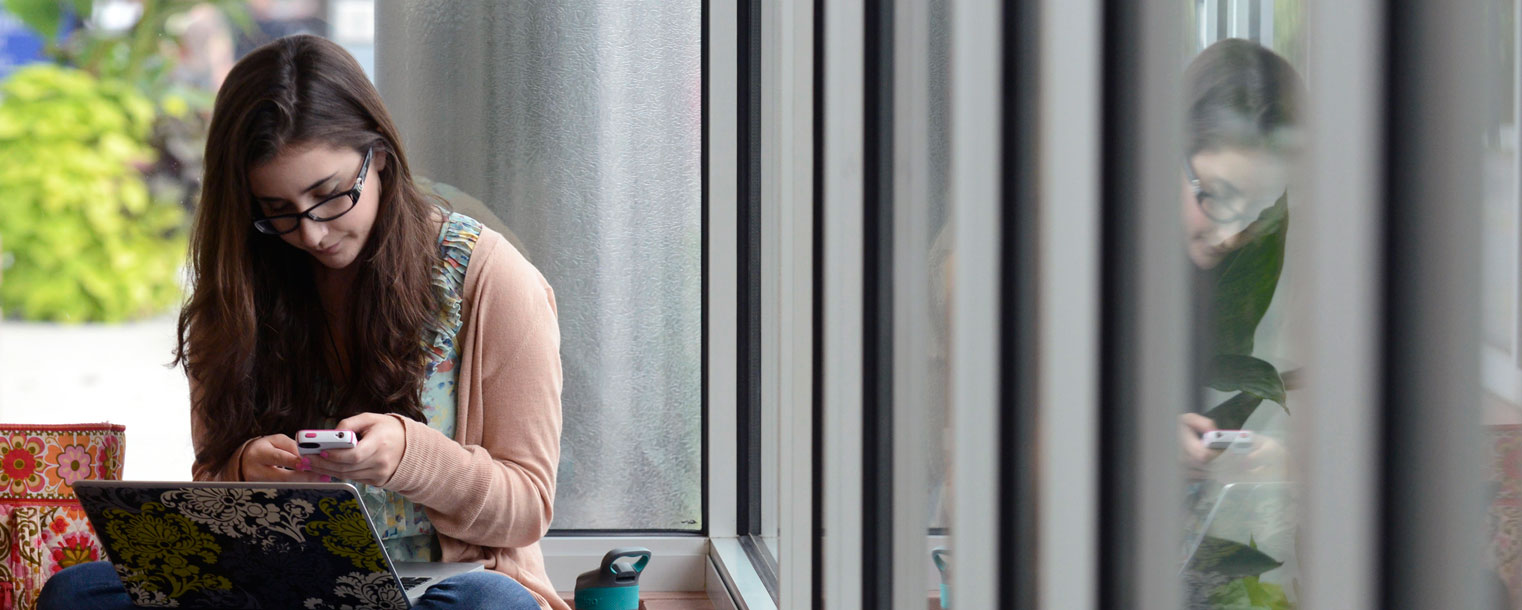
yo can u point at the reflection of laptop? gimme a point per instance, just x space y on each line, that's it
251 545
1247 517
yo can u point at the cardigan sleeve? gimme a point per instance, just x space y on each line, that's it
501 492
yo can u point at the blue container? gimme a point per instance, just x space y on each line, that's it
940 556
612 586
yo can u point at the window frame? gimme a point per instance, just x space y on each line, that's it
1502 368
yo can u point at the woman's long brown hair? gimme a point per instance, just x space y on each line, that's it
252 333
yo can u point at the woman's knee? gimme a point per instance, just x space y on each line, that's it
87 585
483 589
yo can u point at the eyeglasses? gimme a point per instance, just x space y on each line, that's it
1223 210
327 209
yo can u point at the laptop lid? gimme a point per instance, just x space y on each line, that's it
1249 532
242 545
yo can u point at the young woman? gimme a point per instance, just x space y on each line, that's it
1243 134
331 292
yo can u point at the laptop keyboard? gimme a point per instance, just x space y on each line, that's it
411 582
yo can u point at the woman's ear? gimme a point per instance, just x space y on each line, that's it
381 157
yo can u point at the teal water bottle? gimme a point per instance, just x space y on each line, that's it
939 555
613 585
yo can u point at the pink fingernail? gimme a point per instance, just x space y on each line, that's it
327 479
324 455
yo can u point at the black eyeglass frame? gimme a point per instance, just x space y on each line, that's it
266 224
1200 194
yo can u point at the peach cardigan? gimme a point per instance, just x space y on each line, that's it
490 491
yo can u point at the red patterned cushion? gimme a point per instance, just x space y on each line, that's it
1506 508
42 528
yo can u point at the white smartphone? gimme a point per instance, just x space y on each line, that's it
1228 439
316 441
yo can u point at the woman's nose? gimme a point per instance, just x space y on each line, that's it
312 233
1232 236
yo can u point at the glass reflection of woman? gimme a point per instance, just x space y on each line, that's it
1243 103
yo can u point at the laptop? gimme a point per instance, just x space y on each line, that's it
251 545
1250 531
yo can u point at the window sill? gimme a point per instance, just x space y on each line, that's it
733 574
677 563
684 571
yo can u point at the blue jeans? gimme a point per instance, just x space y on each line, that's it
94 586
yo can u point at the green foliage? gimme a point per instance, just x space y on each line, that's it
1243 564
1248 593
1231 558
1246 282
85 239
43 16
1243 286
1232 413
1238 373
143 56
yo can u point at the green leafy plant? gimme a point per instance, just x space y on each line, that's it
1242 287
144 56
84 239
1242 564
1248 593
1241 291
99 162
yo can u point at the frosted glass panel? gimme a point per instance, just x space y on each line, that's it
579 125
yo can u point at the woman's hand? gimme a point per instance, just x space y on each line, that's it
374 459
1268 461
1193 452
275 458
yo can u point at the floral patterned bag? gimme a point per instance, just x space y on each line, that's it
42 527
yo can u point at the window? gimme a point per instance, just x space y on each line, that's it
564 153
594 160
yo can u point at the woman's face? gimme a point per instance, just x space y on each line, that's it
305 174
1246 179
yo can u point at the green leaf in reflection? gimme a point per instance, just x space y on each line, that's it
1231 559
1248 593
1238 373
1233 413
1246 279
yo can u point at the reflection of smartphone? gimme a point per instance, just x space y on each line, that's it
1227 439
317 441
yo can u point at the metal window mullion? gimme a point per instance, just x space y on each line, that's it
721 267
774 335
1068 293
878 429
1515 260
1266 23
1433 460
1241 18
1146 320
793 156
843 266
911 305
1336 425
752 283
975 53
1207 22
